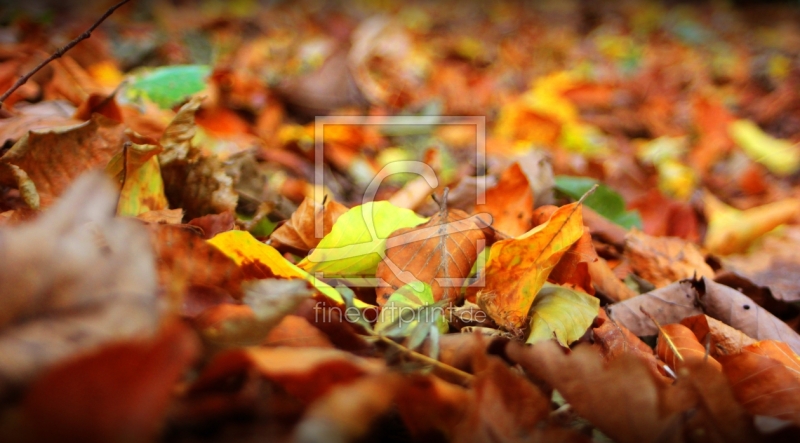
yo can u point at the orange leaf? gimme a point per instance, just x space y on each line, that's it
518 268
119 393
440 252
677 346
299 231
764 386
510 202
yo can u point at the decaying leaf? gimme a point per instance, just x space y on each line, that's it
614 340
44 163
739 311
99 285
518 268
299 232
663 260
142 187
194 181
667 305
440 253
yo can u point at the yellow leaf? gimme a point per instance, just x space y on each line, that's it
143 189
731 230
518 268
245 250
561 313
779 156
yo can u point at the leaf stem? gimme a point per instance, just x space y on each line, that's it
465 376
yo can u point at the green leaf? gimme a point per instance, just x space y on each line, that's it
357 241
604 201
779 156
561 313
169 85
411 312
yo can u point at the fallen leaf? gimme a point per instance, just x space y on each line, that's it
194 181
43 164
306 373
663 260
643 412
510 202
440 253
604 200
731 230
99 285
270 300
573 268
604 280
131 384
724 340
142 186
405 311
739 311
213 224
614 340
779 156
38 117
357 241
762 385
678 346
163 216
186 261
561 313
518 268
300 231
667 305
296 331
347 412
259 260
168 85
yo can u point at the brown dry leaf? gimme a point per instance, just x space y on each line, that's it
614 340
41 116
430 407
306 373
622 399
196 182
775 264
102 104
299 231
185 261
739 311
162 216
677 346
119 393
506 407
662 216
347 412
777 351
295 331
762 385
213 224
573 268
725 340
510 203
440 252
670 304
73 279
42 164
605 281
663 260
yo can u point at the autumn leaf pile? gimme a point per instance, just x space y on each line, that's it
608 252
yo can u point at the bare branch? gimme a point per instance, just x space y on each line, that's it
59 52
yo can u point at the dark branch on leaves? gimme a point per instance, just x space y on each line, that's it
59 52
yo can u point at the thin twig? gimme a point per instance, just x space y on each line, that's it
467 377
59 52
